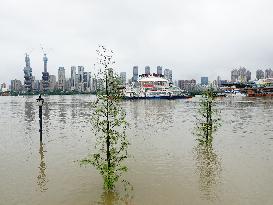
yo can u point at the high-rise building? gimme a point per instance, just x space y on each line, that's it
3 87
89 81
234 75
240 75
37 85
187 85
159 70
45 75
135 73
52 82
67 84
61 78
268 73
80 72
147 70
218 81
73 78
259 74
94 85
34 84
86 81
123 78
248 76
204 80
100 85
28 82
168 74
80 78
16 85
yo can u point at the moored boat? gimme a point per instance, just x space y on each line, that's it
260 92
154 87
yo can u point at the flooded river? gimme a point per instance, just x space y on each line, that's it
166 167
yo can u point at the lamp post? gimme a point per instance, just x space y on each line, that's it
40 102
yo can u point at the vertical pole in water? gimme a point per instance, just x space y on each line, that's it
40 102
40 121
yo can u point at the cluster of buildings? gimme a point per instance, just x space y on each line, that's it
240 75
78 80
159 71
243 75
260 74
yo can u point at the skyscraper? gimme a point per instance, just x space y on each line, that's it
94 85
28 75
37 85
218 81
135 73
204 80
45 75
80 78
3 87
259 74
123 78
234 75
73 78
240 75
52 82
86 81
61 78
168 74
248 76
89 81
187 85
147 70
159 70
16 85
268 73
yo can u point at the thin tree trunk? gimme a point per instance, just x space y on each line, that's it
207 124
108 157
210 118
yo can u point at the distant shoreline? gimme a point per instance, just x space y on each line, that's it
38 93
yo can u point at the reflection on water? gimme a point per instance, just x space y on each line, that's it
164 169
29 111
62 112
46 112
208 167
123 197
151 113
42 179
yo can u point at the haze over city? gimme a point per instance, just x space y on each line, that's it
193 38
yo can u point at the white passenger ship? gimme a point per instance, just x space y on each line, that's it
154 86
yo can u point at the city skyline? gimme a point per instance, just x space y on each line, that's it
153 69
192 38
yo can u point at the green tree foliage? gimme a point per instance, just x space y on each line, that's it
208 119
109 123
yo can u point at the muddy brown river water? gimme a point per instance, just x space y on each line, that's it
167 165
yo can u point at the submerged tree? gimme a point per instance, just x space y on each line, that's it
109 124
208 164
208 119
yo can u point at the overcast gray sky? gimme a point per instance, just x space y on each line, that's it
194 38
